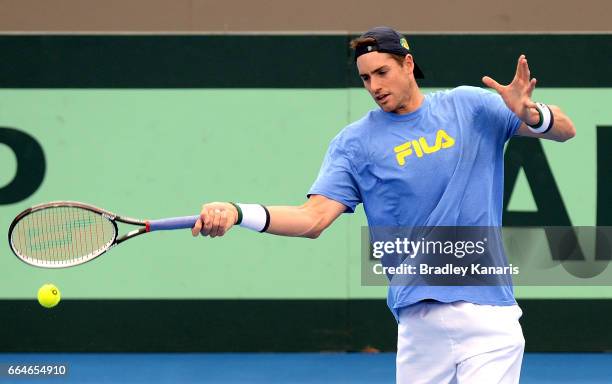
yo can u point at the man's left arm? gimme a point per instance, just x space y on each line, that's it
539 120
562 128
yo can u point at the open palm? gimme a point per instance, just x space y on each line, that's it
517 94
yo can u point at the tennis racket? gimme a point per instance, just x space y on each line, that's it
63 234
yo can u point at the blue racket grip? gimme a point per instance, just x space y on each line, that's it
183 222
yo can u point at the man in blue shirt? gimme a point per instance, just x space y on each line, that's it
434 160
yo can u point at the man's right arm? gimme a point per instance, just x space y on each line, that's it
308 220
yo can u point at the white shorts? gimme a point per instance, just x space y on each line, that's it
459 343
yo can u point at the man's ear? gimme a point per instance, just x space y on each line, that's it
409 61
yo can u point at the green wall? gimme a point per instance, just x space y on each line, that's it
155 125
151 153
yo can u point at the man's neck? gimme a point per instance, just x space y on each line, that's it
413 102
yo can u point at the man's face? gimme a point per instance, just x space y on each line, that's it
388 82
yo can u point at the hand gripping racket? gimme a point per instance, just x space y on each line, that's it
66 233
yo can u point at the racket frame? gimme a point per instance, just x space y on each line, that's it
110 216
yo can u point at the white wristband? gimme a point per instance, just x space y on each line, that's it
255 217
546 119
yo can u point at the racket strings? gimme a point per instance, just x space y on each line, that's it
62 235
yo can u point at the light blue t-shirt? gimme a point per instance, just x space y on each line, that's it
452 177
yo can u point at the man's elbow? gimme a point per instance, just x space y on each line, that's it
315 231
317 228
320 215
568 133
313 234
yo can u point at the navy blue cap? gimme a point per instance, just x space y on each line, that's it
388 41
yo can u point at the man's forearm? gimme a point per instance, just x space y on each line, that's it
562 130
295 221
308 220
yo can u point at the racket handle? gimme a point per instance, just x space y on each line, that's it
183 222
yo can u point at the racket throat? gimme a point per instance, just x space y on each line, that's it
130 234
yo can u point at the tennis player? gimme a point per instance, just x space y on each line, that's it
446 334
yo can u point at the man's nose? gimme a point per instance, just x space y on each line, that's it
374 86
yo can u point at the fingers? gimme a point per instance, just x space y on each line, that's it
197 227
204 224
215 220
531 104
532 85
201 223
526 72
522 69
522 75
526 75
208 221
519 67
489 82
214 231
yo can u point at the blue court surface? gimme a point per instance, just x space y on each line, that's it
259 368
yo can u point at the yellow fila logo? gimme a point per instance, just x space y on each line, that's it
420 146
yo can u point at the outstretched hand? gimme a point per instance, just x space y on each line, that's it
517 94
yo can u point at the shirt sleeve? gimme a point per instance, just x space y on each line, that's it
336 179
499 115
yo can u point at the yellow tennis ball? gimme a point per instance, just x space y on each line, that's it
48 295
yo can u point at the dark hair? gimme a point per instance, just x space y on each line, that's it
361 41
